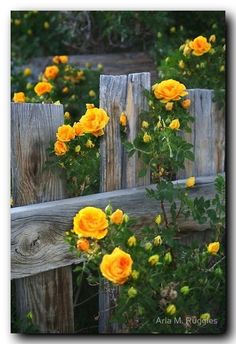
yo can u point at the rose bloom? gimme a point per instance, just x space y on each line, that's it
190 182
19 97
117 217
186 103
27 72
169 90
79 130
94 121
91 222
42 88
213 247
65 133
123 119
60 59
83 245
175 124
60 148
117 266
200 46
51 72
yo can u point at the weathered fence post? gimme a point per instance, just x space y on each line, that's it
119 94
207 136
48 295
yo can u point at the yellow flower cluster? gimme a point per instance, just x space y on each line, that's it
93 122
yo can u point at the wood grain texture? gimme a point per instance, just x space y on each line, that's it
112 100
136 102
48 295
208 136
118 94
33 126
43 249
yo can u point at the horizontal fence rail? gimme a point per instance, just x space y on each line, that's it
37 242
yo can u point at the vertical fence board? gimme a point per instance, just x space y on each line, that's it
118 94
208 136
47 295
135 103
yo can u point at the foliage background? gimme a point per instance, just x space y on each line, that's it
45 33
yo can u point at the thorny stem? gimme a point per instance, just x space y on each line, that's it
168 142
219 261
164 213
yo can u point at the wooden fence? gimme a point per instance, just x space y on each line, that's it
40 261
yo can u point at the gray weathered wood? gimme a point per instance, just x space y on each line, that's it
136 102
112 100
119 94
208 136
51 307
30 256
33 126
114 63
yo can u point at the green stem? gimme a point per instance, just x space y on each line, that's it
164 213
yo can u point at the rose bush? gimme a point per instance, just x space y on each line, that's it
153 266
198 63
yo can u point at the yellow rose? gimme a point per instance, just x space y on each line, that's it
213 247
187 50
171 309
135 274
83 245
145 124
169 106
212 38
60 148
17 22
46 25
91 222
169 90
94 121
157 240
146 138
132 292
19 97
132 241
27 72
65 90
92 93
200 46
89 144
186 103
117 266
42 88
181 64
60 59
90 106
175 124
67 115
123 119
153 260
51 72
205 316
77 149
65 133
117 217
190 182
158 219
79 130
